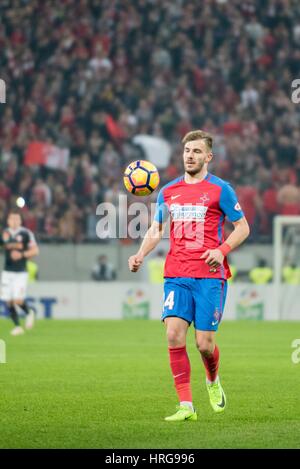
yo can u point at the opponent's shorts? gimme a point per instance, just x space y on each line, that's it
13 285
198 300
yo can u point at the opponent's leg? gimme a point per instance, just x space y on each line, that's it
176 329
17 330
13 314
19 295
7 296
209 351
29 313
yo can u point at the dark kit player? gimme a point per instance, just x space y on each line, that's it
19 244
196 269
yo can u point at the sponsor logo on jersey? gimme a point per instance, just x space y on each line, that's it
188 212
237 207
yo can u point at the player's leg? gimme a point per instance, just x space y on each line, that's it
209 352
18 329
7 296
19 293
176 330
13 313
205 342
29 313
210 300
177 316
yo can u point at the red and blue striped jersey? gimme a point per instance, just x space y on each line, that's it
197 215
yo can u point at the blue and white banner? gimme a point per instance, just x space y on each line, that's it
117 300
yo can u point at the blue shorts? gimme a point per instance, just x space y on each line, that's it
200 300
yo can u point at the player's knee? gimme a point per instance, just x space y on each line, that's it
175 337
205 346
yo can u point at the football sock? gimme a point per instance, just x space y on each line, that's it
181 369
187 403
24 306
14 315
212 382
211 363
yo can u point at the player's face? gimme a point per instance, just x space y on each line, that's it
195 156
14 221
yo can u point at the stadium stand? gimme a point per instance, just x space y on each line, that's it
215 65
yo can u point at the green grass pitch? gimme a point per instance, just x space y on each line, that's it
107 384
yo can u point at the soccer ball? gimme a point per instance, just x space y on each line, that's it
141 178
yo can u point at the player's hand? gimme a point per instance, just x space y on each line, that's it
16 255
213 257
135 261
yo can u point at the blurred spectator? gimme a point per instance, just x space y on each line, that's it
291 274
288 199
155 267
33 271
234 272
261 274
103 270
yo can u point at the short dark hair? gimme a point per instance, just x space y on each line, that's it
15 211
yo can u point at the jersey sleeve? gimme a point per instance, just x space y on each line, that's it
161 210
229 203
31 239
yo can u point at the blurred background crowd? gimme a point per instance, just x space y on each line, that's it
90 75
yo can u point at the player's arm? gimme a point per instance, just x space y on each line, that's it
28 254
231 208
31 252
32 248
241 231
7 244
150 241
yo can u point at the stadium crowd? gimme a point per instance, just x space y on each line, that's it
89 75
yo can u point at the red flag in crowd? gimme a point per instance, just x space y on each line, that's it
114 130
46 154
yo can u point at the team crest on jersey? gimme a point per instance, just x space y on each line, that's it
188 212
204 198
